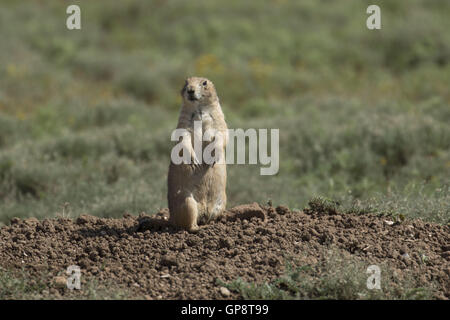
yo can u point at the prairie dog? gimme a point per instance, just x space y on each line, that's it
196 191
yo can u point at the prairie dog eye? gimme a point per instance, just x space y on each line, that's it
205 83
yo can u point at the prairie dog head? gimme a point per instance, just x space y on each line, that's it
199 92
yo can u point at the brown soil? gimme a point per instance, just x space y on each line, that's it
148 257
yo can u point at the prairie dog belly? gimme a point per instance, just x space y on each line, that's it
205 184
201 122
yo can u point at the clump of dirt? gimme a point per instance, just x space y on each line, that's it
145 255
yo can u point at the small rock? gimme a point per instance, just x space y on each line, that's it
192 242
95 270
84 218
446 255
271 212
93 256
282 210
31 221
225 292
248 211
306 237
403 250
147 297
15 220
60 282
226 243
54 292
168 261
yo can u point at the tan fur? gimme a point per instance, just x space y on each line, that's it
196 192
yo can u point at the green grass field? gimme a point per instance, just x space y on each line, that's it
86 115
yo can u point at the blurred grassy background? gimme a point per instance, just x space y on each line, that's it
86 116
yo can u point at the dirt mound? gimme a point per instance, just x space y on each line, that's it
145 255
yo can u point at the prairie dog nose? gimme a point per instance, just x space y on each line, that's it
192 95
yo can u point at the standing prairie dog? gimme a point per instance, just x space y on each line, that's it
196 191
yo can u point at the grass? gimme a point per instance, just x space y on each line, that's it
17 287
335 278
20 286
431 208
